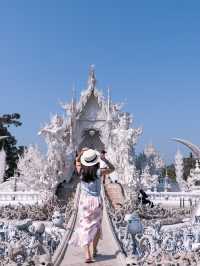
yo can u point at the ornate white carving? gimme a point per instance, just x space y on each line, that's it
179 169
60 154
111 129
31 169
194 177
148 182
92 78
111 126
121 148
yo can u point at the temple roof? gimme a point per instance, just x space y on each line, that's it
150 150
90 92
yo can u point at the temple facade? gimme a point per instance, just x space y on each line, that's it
93 121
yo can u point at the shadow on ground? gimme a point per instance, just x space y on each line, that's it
100 257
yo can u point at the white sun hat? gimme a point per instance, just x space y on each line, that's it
90 157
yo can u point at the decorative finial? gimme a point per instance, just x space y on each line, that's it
108 105
73 103
74 93
166 172
92 78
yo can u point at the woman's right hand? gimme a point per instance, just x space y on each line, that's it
102 156
110 166
83 150
81 153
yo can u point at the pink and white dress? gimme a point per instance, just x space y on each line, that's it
90 213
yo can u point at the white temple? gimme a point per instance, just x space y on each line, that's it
154 160
150 150
95 122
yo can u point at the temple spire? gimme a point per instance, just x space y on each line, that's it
73 98
108 105
92 78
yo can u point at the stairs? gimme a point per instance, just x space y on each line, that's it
114 192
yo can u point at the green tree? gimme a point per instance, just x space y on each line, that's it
140 161
10 143
170 171
188 163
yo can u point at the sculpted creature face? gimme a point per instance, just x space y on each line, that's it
124 122
44 260
58 219
57 120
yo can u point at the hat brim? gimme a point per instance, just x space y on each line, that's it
97 160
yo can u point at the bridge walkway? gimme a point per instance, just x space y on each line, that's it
109 253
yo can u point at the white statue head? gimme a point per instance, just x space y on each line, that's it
124 121
57 120
58 219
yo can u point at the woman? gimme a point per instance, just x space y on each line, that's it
88 230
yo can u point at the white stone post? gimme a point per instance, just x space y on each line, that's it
179 168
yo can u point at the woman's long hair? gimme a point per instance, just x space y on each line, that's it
89 173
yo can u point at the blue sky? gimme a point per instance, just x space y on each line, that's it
146 51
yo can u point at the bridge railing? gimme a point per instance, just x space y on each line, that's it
19 197
180 198
120 254
61 250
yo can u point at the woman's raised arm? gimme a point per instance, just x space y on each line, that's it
78 162
108 170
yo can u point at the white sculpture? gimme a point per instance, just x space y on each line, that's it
59 155
31 168
194 148
92 78
194 177
58 219
148 182
121 148
179 169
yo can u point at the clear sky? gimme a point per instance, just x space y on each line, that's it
148 52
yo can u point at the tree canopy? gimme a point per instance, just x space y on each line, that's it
10 143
